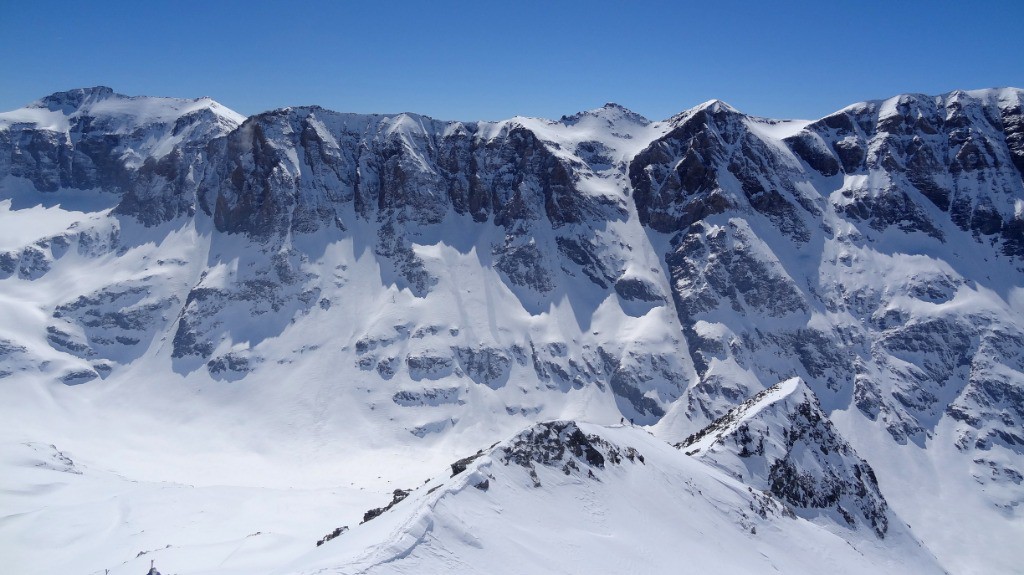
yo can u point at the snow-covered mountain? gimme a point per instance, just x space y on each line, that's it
299 312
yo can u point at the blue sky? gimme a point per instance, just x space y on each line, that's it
493 60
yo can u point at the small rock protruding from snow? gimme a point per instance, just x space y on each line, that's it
333 534
461 465
397 496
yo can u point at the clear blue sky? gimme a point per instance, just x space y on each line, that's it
487 59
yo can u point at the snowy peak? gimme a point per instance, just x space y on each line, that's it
611 113
603 138
716 109
716 106
713 159
71 100
96 139
100 108
780 441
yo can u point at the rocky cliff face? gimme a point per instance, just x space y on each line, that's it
305 168
778 220
601 264
769 226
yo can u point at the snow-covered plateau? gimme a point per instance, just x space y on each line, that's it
315 342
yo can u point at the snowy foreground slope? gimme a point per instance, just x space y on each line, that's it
567 498
222 338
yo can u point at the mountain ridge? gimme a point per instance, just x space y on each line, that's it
371 283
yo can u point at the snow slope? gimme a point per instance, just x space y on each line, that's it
623 501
